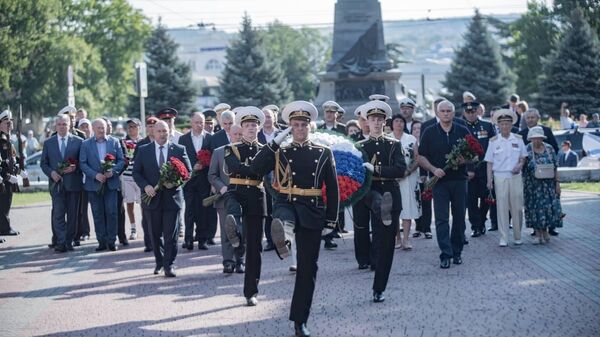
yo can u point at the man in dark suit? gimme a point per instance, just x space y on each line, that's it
198 187
567 158
330 113
219 109
163 209
65 186
104 205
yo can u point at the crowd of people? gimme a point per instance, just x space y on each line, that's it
256 173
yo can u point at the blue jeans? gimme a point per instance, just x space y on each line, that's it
104 210
450 195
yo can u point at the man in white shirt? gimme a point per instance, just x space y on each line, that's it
505 157
566 121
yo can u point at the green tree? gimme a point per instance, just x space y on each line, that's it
250 76
590 9
572 72
534 36
169 79
478 67
301 53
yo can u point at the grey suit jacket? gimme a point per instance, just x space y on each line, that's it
51 159
216 173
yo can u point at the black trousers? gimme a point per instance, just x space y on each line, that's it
211 219
308 243
121 234
423 224
193 216
478 209
64 215
163 223
83 221
146 228
5 204
364 251
268 219
384 238
247 206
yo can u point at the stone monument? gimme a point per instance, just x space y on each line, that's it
359 64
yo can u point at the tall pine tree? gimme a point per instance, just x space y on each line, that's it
250 77
572 72
478 68
169 79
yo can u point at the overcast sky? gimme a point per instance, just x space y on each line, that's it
226 14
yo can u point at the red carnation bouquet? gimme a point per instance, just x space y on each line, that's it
173 174
427 194
465 150
130 146
62 167
106 165
203 157
490 200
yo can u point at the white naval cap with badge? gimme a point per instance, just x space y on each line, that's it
379 97
71 110
221 107
6 114
331 106
373 108
271 107
299 110
358 111
504 115
407 102
249 113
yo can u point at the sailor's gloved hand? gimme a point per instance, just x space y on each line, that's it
282 135
369 167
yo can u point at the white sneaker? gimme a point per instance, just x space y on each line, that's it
518 242
503 243
133 234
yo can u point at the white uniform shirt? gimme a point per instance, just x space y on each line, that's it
504 154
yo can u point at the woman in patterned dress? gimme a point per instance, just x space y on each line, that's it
542 196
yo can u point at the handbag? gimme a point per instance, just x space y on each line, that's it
542 171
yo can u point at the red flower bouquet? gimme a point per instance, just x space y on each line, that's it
62 167
489 200
130 146
106 165
467 150
203 157
172 175
427 194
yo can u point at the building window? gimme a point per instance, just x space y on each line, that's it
213 64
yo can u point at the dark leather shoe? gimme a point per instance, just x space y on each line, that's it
70 248
112 248
373 267
378 297
147 250
282 247
157 270
269 247
51 245
60 249
101 248
252 301
76 243
11 232
210 242
492 229
532 234
457 260
170 272
301 330
2 240
329 244
228 269
475 234
188 245
124 242
202 245
240 268
363 266
483 230
336 235
552 232
445 264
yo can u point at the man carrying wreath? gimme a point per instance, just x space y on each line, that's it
164 201
438 141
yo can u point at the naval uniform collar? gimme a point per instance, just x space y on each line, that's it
301 144
376 138
472 124
247 142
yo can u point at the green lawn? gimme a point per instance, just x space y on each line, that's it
22 199
586 187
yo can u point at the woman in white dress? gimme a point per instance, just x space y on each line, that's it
409 185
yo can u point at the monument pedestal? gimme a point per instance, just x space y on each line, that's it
350 91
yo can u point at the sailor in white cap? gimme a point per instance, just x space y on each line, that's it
362 123
303 171
71 111
379 97
9 169
468 97
330 112
245 199
382 204
219 108
407 108
505 157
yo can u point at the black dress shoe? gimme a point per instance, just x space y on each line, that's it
228 269
373 267
251 301
269 247
552 232
378 297
329 244
363 266
51 245
445 264
301 330
70 248
493 228
112 247
147 250
125 242
60 248
188 245
170 272
157 270
2 240
210 242
11 232
202 245
457 260
101 248
475 234
532 234
483 230
344 231
76 243
239 268
336 235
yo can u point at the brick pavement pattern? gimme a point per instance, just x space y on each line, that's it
549 290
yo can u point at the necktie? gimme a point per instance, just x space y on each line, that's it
63 147
161 156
